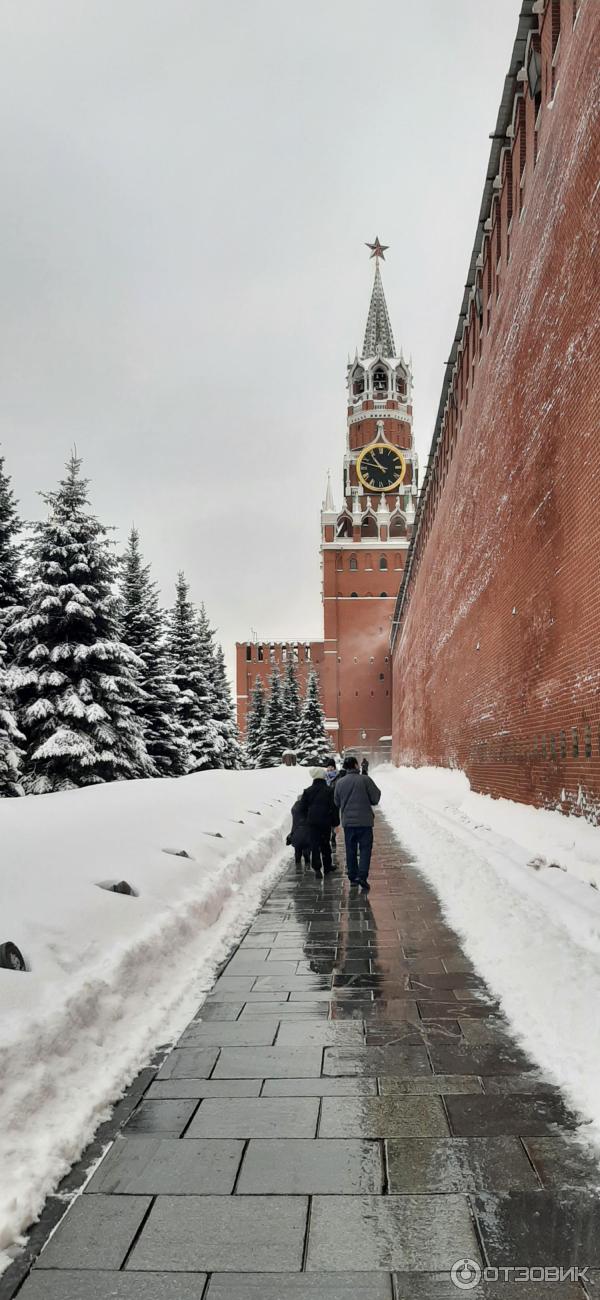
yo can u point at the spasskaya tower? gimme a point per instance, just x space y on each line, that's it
365 533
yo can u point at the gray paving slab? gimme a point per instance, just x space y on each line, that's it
558 1227
234 984
216 1033
390 1232
561 1162
276 969
402 1061
322 1033
320 1087
163 1166
189 1063
348 1167
458 1058
291 983
282 1117
458 1165
256 1233
164 1089
217 1011
166 1118
268 1062
527 1116
300 1286
79 1285
286 1010
381 1117
436 1084
96 1233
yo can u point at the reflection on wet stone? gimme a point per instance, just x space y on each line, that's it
344 1102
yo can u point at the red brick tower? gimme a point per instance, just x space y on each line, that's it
364 545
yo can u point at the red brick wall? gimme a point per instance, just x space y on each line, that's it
496 665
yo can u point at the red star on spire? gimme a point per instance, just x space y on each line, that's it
378 249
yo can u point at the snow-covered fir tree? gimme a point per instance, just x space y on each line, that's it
73 674
11 605
314 745
230 752
194 699
11 584
254 722
207 657
292 704
11 739
156 699
273 742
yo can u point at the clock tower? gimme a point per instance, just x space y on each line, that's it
365 537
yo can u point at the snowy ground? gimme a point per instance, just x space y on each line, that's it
520 886
112 976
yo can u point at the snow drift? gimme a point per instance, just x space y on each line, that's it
519 885
112 975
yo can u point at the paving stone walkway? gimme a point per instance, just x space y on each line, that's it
346 1117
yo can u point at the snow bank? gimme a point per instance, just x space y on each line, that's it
111 975
532 930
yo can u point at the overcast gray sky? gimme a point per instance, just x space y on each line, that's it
186 191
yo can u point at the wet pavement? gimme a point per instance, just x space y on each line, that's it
346 1118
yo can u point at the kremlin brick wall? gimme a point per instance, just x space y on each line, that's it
496 656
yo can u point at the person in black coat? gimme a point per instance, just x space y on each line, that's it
299 836
318 806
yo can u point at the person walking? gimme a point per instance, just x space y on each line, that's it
364 767
317 805
331 776
299 836
356 796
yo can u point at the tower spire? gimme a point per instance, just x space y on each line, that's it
378 334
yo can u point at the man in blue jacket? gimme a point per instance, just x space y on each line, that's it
356 796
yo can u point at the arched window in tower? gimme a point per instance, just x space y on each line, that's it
397 525
344 528
400 384
353 562
368 527
383 562
380 381
358 383
353 595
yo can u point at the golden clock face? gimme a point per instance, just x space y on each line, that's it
381 468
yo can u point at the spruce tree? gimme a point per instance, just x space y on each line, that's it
274 733
292 705
255 721
229 749
314 745
11 586
73 674
10 737
207 658
193 701
11 606
156 699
